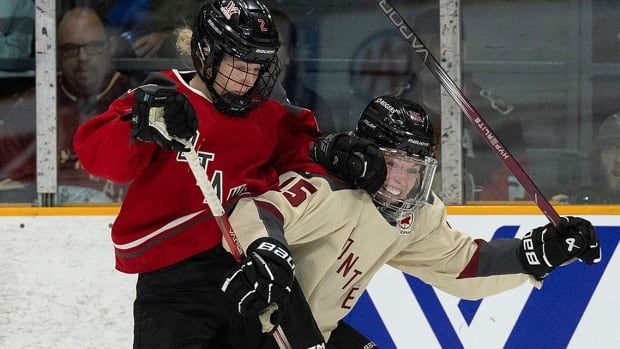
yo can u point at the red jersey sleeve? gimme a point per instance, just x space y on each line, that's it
104 146
297 132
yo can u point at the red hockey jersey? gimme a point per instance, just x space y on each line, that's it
163 218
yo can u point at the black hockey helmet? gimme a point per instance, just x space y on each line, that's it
403 131
397 123
242 29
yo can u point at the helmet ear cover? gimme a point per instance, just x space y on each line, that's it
241 29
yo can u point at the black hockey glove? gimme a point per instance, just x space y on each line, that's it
162 113
545 248
261 284
353 158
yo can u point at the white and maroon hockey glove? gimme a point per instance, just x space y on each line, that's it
162 113
353 158
261 284
544 248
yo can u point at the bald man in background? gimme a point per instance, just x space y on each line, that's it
85 55
86 86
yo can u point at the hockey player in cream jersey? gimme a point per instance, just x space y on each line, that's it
340 237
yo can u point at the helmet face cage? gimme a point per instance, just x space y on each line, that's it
236 88
408 183
225 33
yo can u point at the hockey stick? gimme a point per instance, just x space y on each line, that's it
470 111
156 120
203 182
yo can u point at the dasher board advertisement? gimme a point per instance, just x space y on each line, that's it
577 307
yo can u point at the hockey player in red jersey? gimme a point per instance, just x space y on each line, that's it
164 230
340 237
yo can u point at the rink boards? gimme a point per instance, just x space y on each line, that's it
578 306
58 285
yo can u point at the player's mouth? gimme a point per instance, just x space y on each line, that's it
392 190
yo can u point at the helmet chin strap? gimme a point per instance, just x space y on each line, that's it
391 212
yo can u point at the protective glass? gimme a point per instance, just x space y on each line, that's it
407 185
92 48
610 149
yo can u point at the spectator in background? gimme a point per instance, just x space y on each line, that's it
605 167
88 82
145 29
86 86
291 77
16 28
480 162
147 26
17 110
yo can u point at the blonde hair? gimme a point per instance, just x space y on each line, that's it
184 40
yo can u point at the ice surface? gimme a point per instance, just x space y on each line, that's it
58 285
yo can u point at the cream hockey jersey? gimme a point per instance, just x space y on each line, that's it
339 240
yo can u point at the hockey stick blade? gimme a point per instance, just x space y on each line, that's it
469 110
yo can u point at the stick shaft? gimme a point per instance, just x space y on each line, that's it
203 182
469 110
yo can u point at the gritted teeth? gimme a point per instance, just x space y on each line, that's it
392 190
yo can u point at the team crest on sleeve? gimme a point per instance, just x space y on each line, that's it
405 223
